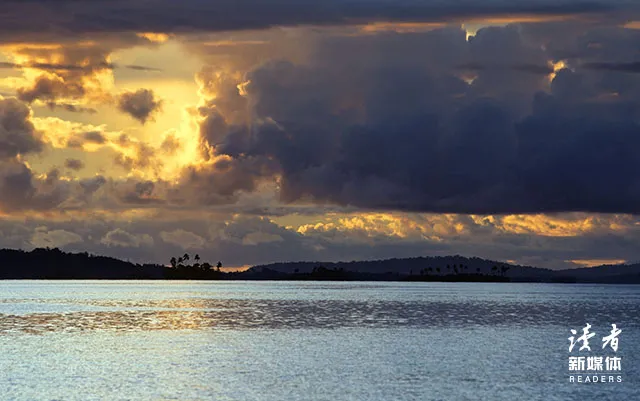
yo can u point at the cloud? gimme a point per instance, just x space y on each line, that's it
51 88
43 238
91 185
260 238
219 181
239 240
407 132
226 15
74 164
142 68
142 104
122 238
72 108
17 133
94 137
425 142
72 74
134 192
20 190
138 155
16 189
183 239
633 67
71 67
544 70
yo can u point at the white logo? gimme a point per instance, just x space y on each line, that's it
594 369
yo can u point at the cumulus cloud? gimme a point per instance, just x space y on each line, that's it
237 240
51 88
122 238
407 132
17 133
68 74
135 192
43 238
20 190
142 104
91 185
530 119
183 239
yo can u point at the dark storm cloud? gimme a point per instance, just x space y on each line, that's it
141 104
407 133
223 15
527 68
17 133
633 67
20 190
16 187
219 182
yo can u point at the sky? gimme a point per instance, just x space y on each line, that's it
254 131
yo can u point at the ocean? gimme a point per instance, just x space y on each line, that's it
278 340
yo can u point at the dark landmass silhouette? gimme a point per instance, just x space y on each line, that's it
56 264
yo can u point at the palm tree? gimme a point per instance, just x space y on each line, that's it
173 262
196 258
185 257
219 265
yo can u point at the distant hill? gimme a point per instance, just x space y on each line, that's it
436 266
55 264
440 267
613 274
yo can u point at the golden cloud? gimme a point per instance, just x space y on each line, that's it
399 225
567 225
596 262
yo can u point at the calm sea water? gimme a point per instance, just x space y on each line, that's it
159 340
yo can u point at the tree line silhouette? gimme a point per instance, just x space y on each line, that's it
52 263
460 272
46 263
201 271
